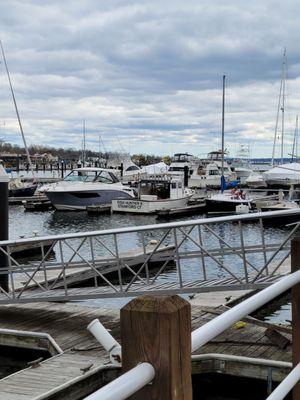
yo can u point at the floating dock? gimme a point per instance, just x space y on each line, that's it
83 366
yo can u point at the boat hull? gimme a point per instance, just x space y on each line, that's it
147 207
80 200
22 192
224 206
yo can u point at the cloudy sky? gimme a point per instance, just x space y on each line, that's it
146 75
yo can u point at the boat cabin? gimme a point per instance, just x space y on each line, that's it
92 175
216 155
153 189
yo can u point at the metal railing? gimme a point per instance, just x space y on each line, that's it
179 257
206 333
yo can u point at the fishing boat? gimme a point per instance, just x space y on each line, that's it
86 186
255 181
155 195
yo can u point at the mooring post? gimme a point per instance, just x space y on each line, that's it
4 179
185 176
295 266
158 330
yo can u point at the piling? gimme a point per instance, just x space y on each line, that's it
295 266
185 175
157 330
122 170
4 179
62 169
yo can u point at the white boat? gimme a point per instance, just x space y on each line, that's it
87 186
227 201
182 160
155 195
283 175
255 181
241 164
209 176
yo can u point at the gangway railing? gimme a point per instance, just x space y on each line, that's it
208 332
179 257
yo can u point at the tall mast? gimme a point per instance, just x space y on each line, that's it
223 129
83 150
17 111
283 102
280 107
295 141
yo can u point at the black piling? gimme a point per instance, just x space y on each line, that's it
4 179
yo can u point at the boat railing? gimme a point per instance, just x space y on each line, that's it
179 257
144 373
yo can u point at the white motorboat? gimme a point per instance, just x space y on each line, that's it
155 195
182 160
241 164
84 187
283 175
242 168
208 173
255 181
228 201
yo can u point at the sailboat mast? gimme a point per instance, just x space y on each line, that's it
83 150
283 103
295 140
280 107
223 126
17 111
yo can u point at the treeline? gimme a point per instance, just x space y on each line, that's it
74 155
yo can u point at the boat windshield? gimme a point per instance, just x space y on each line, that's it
91 176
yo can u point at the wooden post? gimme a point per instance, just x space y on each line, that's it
295 266
158 330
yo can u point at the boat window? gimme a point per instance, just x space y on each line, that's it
214 172
105 177
173 184
132 168
176 169
179 185
81 176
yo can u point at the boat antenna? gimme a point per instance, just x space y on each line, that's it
223 184
17 111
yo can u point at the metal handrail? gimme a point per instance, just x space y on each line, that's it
219 324
286 385
203 335
166 225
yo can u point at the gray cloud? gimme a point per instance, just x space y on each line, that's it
148 72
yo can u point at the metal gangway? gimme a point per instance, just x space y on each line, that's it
193 256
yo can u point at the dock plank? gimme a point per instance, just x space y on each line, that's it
66 323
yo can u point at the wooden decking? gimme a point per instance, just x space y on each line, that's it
83 365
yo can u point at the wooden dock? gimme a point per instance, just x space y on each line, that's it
83 365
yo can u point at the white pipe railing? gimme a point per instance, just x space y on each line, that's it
126 385
106 339
286 385
216 326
